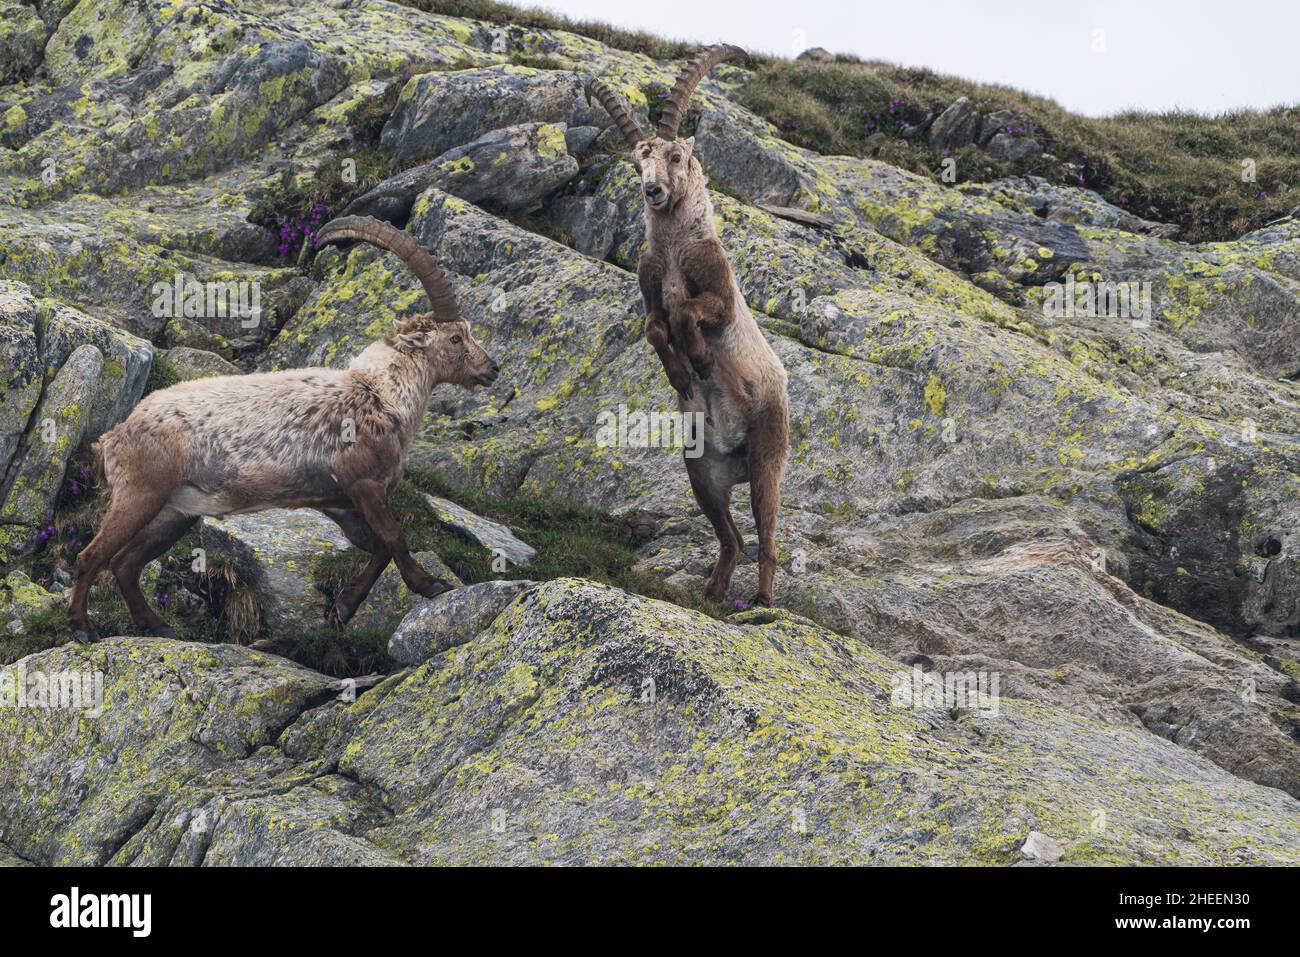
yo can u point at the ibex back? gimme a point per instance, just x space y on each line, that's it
711 348
331 439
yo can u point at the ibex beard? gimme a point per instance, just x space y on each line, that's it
711 349
330 439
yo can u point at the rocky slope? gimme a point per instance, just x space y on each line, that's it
1100 511
764 740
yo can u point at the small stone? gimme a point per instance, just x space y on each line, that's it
451 619
1039 847
956 126
491 535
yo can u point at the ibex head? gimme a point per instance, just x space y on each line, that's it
663 160
440 339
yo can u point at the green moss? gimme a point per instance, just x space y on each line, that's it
936 398
161 375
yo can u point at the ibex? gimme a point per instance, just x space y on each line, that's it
711 348
330 439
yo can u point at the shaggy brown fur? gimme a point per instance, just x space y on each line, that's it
330 439
711 348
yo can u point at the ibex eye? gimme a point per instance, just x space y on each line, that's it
677 157
455 339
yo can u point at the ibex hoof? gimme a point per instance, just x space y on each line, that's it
162 631
340 613
433 588
760 601
681 384
86 636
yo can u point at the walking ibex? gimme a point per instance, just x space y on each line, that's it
710 346
331 439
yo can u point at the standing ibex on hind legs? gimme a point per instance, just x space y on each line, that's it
710 346
330 439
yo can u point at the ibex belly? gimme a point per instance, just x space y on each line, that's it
234 479
723 414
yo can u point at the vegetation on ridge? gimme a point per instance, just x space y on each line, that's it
1174 167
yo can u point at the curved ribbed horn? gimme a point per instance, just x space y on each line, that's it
687 80
615 108
401 244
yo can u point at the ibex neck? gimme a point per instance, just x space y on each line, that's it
692 218
411 384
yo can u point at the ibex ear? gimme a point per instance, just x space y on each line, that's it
415 340
689 143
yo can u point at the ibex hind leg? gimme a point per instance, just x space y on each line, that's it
363 537
153 540
712 488
768 446
130 509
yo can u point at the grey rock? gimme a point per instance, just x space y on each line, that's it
20 596
955 127
451 619
996 122
1012 148
23 371
1039 847
591 222
195 709
578 139
559 730
731 153
274 552
511 169
491 535
22 39
126 363
191 363
109 273
438 112
9 859
35 474
1082 207
817 55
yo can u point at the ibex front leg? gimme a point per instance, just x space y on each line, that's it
360 535
688 324
657 331
371 500
711 306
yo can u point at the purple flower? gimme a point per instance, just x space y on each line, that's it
742 605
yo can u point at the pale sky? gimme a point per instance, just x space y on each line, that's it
1202 55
